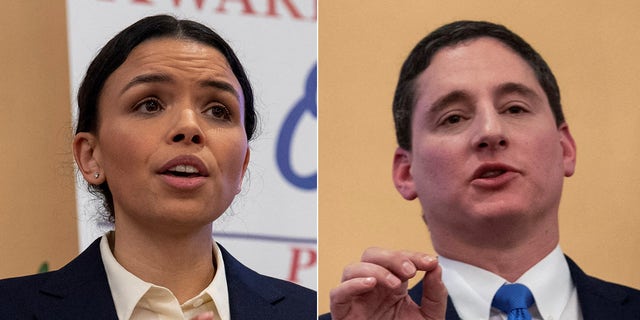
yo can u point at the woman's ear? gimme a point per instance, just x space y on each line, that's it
87 157
247 156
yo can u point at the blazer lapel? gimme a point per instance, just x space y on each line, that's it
416 295
250 296
598 299
79 290
451 314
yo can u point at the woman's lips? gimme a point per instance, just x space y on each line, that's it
184 183
184 172
187 164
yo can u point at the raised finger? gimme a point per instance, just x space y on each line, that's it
380 274
433 304
342 296
403 264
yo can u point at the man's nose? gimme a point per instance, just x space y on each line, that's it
490 132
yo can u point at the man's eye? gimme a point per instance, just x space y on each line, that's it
219 112
452 119
516 109
149 106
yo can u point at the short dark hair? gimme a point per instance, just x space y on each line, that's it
450 35
116 51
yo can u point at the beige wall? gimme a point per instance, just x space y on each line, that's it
37 199
593 50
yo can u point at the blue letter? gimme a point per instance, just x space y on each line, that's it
283 148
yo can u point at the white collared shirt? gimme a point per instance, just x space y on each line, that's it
472 289
137 299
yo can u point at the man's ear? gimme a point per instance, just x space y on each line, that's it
247 156
402 178
568 150
88 158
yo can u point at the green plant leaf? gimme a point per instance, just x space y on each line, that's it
44 267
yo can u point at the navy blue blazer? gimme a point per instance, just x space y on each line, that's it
80 290
598 299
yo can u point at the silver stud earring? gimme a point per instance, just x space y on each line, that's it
96 175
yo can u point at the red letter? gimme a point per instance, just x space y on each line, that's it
245 3
142 1
294 11
297 264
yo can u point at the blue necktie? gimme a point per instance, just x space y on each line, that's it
514 300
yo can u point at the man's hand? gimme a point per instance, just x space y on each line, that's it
376 287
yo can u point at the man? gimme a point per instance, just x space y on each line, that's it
484 146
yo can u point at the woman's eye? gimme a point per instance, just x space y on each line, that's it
149 106
219 112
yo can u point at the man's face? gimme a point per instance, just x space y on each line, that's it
485 145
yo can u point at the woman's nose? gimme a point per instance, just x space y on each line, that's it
187 129
193 138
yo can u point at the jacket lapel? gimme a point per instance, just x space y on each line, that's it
79 290
416 295
599 299
451 314
250 296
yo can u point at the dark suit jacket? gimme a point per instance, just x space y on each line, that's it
598 299
80 290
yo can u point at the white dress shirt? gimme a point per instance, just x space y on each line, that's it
137 299
472 289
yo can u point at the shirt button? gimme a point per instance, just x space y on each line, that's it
198 303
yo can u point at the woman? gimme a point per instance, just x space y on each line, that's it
165 115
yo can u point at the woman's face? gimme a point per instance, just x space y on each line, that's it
170 142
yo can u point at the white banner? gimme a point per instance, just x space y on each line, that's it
271 227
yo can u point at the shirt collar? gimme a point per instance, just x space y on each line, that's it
127 289
218 287
472 289
550 283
